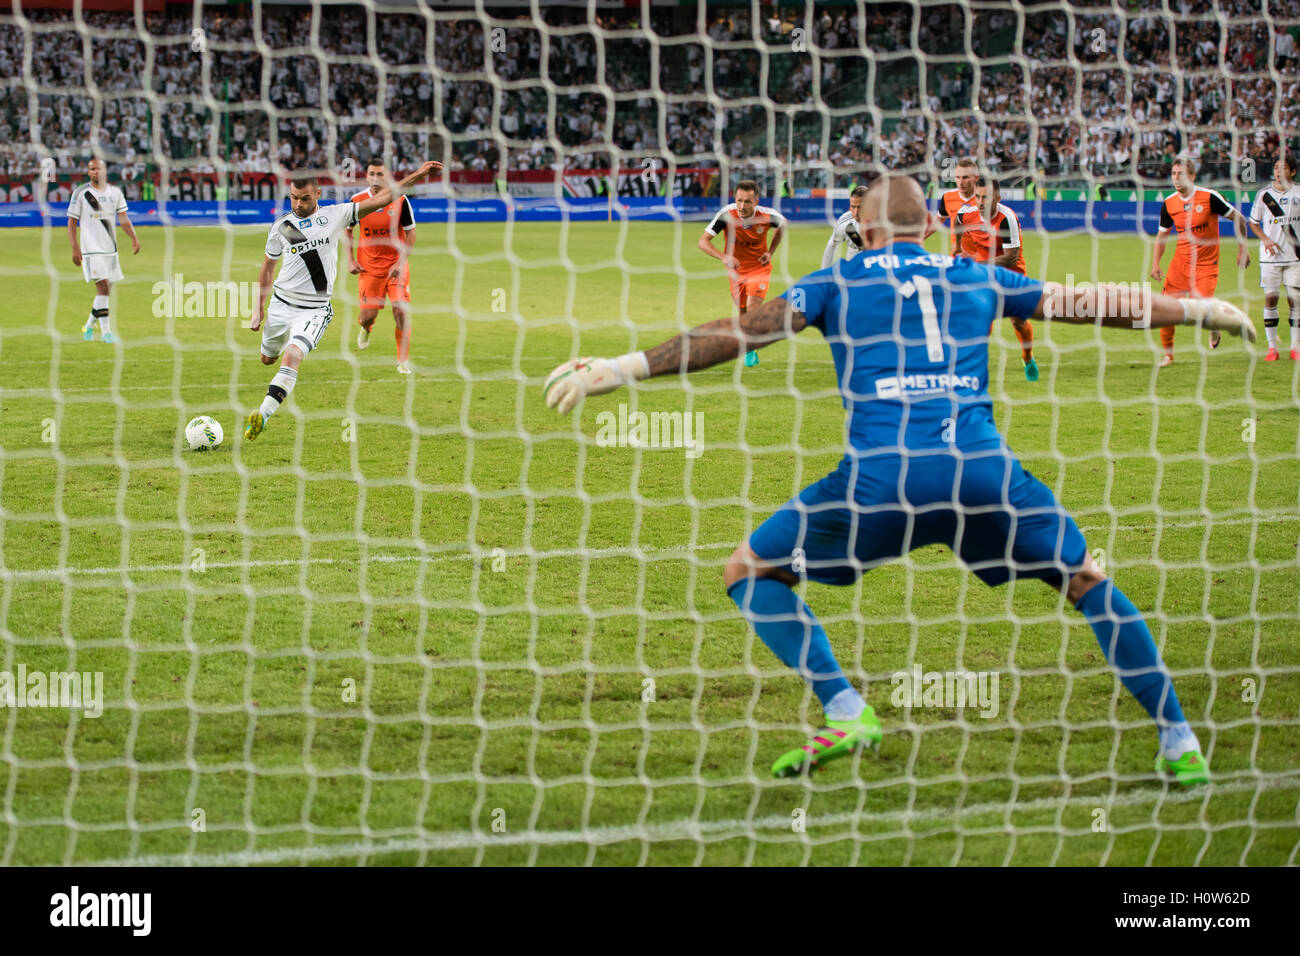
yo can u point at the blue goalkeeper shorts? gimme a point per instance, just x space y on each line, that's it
998 518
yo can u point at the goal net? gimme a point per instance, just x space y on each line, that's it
423 619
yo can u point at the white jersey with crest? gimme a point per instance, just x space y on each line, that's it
96 212
1277 213
310 249
846 230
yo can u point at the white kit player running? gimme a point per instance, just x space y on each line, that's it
92 214
1275 219
296 310
845 232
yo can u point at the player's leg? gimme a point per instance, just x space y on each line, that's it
1206 284
753 292
1047 544
276 393
402 337
399 294
370 294
765 596
1270 280
1025 333
99 313
1177 284
302 334
1291 281
1293 296
1129 647
367 321
760 577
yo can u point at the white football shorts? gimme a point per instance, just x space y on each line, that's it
289 324
1274 275
101 265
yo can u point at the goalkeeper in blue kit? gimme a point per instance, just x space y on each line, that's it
925 463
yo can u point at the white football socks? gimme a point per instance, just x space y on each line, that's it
279 390
1178 739
99 310
846 705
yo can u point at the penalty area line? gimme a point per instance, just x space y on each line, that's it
685 552
683 829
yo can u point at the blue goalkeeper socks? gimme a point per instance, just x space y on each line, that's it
788 626
1126 641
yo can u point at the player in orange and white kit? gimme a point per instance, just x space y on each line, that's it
960 212
746 254
1002 247
1194 214
382 258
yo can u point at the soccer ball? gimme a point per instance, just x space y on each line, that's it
203 434
564 371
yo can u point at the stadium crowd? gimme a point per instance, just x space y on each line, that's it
1089 93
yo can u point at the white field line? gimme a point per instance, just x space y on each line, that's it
682 553
713 830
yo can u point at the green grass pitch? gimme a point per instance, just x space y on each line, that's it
497 587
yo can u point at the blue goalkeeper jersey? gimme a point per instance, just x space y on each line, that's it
909 331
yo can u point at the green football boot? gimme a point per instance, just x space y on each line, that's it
1031 370
255 425
1190 769
839 738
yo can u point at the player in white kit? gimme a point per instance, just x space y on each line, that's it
845 232
1275 219
92 212
296 309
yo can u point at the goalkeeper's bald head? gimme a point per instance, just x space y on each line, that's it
894 208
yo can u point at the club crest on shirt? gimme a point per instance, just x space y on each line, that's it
758 230
1200 208
322 221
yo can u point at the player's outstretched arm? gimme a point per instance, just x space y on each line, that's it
702 347
725 339
1123 306
383 197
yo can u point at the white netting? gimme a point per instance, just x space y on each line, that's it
422 619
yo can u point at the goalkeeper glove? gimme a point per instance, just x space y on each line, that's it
1218 315
577 378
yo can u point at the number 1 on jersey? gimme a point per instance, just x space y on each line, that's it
929 314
